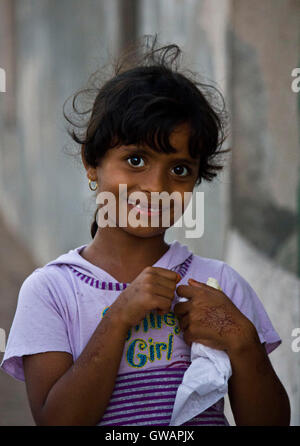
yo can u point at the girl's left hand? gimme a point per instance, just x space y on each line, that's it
211 318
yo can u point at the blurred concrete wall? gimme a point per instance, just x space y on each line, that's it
264 247
250 51
200 29
52 48
279 291
265 48
48 49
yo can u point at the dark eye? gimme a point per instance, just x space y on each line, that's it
179 169
135 159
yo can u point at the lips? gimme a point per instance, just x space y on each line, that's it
145 206
148 208
145 209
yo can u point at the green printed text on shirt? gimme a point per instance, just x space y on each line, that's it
140 351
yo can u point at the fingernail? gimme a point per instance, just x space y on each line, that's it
178 278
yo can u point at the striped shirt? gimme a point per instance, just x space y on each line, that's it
147 398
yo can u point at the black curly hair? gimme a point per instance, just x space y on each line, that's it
144 99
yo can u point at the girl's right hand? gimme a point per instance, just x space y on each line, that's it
152 289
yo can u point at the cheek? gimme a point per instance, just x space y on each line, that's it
110 175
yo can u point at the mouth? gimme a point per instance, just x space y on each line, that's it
145 210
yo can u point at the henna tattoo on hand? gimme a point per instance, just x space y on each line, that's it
220 319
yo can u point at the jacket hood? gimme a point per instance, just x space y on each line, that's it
176 255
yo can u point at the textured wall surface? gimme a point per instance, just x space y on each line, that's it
199 28
49 48
279 291
44 193
265 46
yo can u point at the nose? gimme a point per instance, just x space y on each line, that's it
155 180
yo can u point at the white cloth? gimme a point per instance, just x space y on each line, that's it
205 381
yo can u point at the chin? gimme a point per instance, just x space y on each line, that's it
143 232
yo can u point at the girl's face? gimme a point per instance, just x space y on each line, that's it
145 170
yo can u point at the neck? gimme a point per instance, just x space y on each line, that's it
123 254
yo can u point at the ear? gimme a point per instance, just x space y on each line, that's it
91 172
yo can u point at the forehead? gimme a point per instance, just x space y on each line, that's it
179 140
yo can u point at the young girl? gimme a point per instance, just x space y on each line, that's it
96 335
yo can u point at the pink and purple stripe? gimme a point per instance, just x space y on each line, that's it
147 398
119 286
183 267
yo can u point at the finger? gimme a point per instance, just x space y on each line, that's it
188 291
182 308
194 282
166 282
184 321
203 285
167 273
163 291
187 338
163 304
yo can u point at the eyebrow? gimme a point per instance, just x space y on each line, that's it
189 161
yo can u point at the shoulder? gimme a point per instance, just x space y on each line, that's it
45 276
219 269
204 267
44 283
232 283
36 281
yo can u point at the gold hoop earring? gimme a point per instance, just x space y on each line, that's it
91 187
